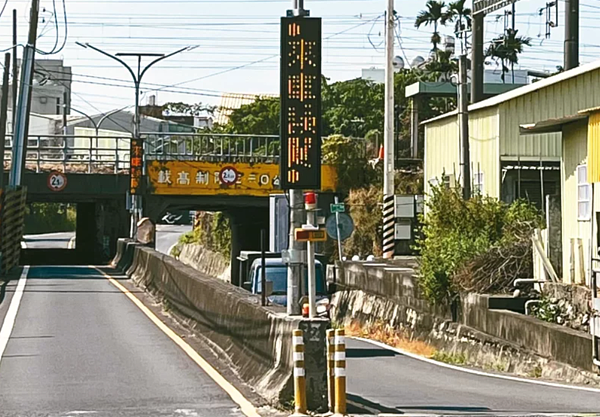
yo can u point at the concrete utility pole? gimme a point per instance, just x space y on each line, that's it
388 140
137 80
3 115
24 104
571 34
15 72
297 249
463 123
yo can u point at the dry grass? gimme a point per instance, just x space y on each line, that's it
392 337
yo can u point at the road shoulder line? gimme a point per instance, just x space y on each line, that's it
246 406
474 371
13 309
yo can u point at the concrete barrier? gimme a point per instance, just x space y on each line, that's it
545 339
257 340
370 293
206 261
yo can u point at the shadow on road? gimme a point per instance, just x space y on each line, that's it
361 405
369 353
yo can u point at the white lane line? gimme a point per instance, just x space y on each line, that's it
71 244
23 244
245 405
11 314
473 371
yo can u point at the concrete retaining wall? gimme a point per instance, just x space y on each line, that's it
206 261
398 300
256 339
545 339
390 295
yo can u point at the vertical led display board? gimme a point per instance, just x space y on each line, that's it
300 162
136 165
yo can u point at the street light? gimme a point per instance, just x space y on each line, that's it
137 79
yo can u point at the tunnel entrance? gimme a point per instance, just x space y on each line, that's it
73 233
50 226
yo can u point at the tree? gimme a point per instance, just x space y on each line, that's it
433 15
505 50
442 66
458 14
352 108
260 117
187 109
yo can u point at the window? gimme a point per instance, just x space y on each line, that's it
478 183
584 194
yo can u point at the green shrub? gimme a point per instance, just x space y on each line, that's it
456 232
212 230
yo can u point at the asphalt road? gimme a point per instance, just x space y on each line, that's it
168 235
49 240
389 382
80 346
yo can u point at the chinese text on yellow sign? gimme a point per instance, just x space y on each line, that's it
205 178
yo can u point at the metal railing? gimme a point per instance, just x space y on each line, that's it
211 147
110 154
74 153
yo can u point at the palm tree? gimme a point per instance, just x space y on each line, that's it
459 15
433 15
442 66
506 48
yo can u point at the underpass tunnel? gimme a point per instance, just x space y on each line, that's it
246 223
89 236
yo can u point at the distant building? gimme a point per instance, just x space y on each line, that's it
50 81
522 77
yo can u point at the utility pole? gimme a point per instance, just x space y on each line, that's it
571 34
3 115
477 58
24 104
15 72
64 113
388 140
137 160
463 123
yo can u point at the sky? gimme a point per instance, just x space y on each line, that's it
237 42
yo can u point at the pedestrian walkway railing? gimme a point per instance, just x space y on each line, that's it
212 147
75 154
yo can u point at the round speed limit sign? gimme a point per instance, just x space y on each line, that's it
229 175
57 181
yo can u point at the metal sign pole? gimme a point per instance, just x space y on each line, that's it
337 226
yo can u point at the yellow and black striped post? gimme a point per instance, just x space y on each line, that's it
299 375
340 372
389 222
330 368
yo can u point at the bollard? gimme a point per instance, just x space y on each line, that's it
330 368
299 375
340 373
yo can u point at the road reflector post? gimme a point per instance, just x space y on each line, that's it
330 368
340 372
299 374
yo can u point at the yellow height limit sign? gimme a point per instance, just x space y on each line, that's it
310 235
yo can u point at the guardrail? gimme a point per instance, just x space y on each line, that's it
110 154
73 153
212 147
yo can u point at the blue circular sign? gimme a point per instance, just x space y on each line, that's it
346 226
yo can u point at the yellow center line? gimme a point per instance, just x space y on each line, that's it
246 406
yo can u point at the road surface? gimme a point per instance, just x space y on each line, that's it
388 382
49 240
168 235
79 346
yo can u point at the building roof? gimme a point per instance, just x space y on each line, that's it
528 89
233 101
